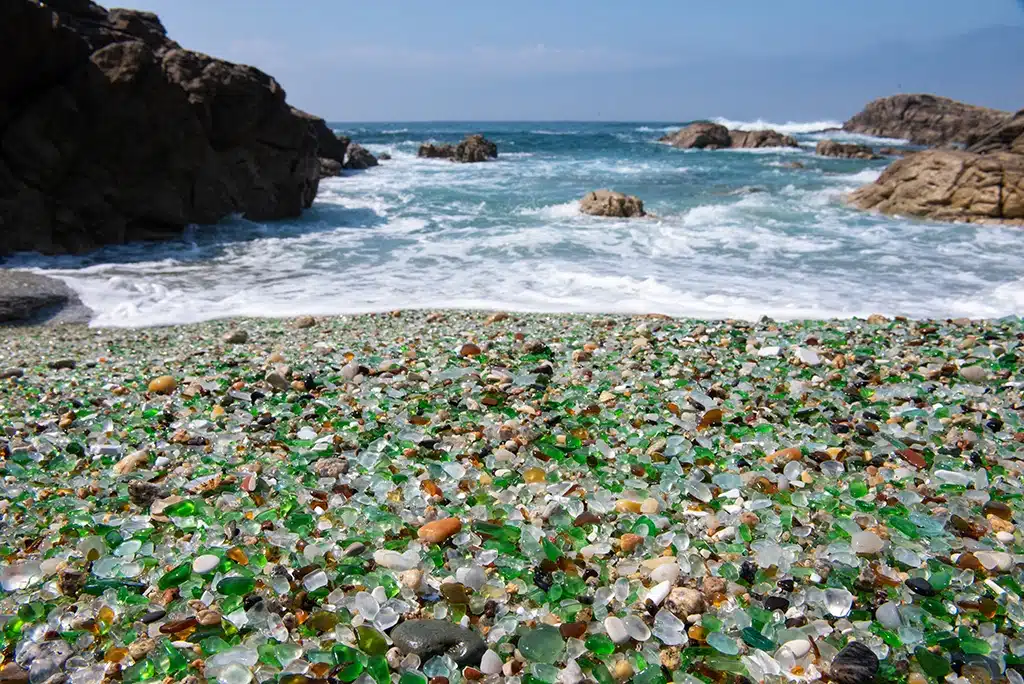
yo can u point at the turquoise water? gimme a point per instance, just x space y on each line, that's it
736 234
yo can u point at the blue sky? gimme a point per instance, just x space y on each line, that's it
658 60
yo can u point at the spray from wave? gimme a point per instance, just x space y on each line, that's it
789 128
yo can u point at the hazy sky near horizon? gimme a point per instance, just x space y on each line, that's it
658 60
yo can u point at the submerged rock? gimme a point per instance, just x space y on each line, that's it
611 203
429 638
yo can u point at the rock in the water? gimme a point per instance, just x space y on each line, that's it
113 132
950 185
702 135
831 148
855 664
329 145
925 119
763 138
31 298
358 158
475 148
329 168
383 156
430 638
611 203
705 135
432 151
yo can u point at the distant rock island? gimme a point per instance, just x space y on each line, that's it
925 119
112 132
705 135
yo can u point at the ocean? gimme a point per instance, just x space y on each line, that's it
737 234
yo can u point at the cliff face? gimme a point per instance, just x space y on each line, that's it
110 131
925 119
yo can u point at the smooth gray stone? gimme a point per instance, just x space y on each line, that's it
855 664
429 638
31 298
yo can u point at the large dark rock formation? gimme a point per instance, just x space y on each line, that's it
705 135
925 119
984 184
110 131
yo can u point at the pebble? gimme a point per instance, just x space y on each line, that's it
490 663
277 381
616 629
12 373
866 542
855 664
974 374
469 349
542 645
798 647
236 337
438 531
659 592
164 384
130 462
303 322
205 563
430 638
919 585
62 364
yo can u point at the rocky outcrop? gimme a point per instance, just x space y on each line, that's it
765 138
831 148
110 131
705 135
1007 137
329 168
475 148
30 298
925 120
702 135
984 184
358 158
950 185
612 204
